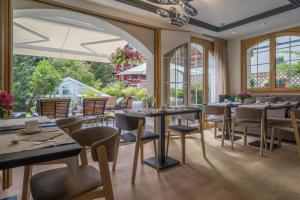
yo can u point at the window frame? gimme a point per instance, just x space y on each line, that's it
247 43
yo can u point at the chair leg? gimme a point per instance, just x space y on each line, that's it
142 152
262 140
223 130
232 133
296 132
27 175
279 138
203 143
117 151
272 138
182 140
168 141
245 136
215 129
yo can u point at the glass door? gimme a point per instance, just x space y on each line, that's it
202 84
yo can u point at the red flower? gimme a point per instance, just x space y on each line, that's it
6 100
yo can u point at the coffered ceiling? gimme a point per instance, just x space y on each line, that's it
221 18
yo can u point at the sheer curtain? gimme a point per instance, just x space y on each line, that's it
221 62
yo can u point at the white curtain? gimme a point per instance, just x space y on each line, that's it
221 62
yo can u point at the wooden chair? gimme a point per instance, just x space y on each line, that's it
89 183
288 124
93 109
249 117
69 125
128 123
54 108
182 130
111 103
216 114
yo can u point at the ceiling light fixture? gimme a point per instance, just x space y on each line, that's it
176 18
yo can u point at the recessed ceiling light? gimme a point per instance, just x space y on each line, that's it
233 32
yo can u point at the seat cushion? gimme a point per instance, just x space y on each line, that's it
61 184
149 136
182 128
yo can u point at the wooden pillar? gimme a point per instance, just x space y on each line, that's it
6 45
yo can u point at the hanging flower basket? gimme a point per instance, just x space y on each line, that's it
127 56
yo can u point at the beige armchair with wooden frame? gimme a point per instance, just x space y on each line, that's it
249 117
216 114
69 126
291 125
89 183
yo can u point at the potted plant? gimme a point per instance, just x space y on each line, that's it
126 56
6 104
149 101
281 82
243 95
252 82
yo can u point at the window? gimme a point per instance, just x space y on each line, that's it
272 62
258 65
288 62
177 62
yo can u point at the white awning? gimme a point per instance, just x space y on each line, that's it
138 70
54 36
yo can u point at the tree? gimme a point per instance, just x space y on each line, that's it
103 72
79 70
44 81
23 67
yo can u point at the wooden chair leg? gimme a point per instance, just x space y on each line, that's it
232 133
26 179
203 144
136 151
168 141
278 137
117 151
272 138
215 129
223 131
104 172
245 136
262 132
142 152
182 140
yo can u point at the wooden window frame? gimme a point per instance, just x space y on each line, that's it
208 46
245 44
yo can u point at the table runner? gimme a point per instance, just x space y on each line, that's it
36 141
21 121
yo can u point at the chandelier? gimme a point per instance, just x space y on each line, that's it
175 17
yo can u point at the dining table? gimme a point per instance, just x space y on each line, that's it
18 149
161 114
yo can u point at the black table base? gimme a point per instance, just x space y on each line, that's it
256 144
169 162
227 137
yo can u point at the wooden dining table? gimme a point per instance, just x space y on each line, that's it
8 161
161 114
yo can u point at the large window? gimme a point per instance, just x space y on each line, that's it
258 65
288 62
272 62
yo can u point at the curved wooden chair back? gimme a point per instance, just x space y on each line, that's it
94 106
